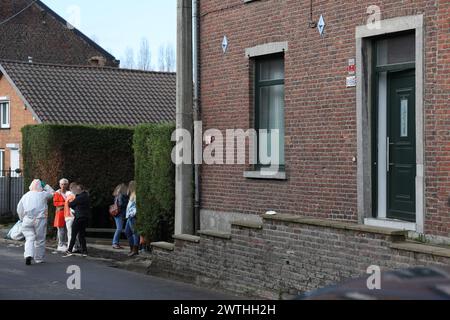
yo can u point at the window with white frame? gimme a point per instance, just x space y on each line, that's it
5 115
2 161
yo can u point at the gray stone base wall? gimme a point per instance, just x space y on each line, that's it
221 221
288 255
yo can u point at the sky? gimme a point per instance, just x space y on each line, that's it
118 24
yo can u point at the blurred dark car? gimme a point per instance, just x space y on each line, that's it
419 283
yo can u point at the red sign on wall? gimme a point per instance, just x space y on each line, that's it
351 66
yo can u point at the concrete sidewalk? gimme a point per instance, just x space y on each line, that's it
98 250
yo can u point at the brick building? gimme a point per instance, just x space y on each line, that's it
361 99
332 167
32 93
30 29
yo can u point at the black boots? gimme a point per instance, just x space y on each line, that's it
134 251
28 261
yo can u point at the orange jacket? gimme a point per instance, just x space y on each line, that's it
67 213
58 200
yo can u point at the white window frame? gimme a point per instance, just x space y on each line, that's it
2 161
8 124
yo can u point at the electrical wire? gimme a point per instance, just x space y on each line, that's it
18 13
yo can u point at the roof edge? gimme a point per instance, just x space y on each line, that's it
73 66
21 96
77 32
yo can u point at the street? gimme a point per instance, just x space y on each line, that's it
98 281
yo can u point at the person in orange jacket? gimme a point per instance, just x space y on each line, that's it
59 201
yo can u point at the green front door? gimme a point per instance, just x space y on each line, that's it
401 155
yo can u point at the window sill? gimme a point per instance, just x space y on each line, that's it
265 174
389 223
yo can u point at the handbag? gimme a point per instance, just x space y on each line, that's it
114 209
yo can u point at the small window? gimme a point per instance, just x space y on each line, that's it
269 109
4 115
2 162
396 49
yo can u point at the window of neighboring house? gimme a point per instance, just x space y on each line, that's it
5 115
269 109
2 162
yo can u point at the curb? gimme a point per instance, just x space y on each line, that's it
116 259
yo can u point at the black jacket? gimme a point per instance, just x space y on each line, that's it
81 205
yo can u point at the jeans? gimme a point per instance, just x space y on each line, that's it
79 229
119 228
131 232
61 237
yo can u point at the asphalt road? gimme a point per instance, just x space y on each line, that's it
98 281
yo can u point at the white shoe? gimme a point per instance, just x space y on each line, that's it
68 254
38 261
62 249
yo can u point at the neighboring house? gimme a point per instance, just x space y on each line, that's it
33 93
29 30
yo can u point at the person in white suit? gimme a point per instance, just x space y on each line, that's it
33 212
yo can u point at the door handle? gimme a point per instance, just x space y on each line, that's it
388 147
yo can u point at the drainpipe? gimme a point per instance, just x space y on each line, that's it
184 172
197 115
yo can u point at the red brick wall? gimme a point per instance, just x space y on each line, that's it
19 118
37 33
320 111
437 125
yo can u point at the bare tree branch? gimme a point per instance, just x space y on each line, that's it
145 56
166 58
128 61
170 58
161 58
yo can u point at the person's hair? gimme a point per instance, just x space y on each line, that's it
131 187
120 189
72 185
64 180
74 188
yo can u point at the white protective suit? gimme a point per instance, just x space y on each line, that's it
33 212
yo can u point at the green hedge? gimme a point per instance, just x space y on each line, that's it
100 157
155 180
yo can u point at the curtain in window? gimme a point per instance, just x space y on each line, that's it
4 114
271 117
270 84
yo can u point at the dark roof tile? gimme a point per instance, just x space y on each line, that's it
80 94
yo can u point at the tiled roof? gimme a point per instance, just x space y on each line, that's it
92 95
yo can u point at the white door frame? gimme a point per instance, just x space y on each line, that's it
14 156
363 112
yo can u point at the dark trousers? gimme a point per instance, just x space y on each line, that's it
79 229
